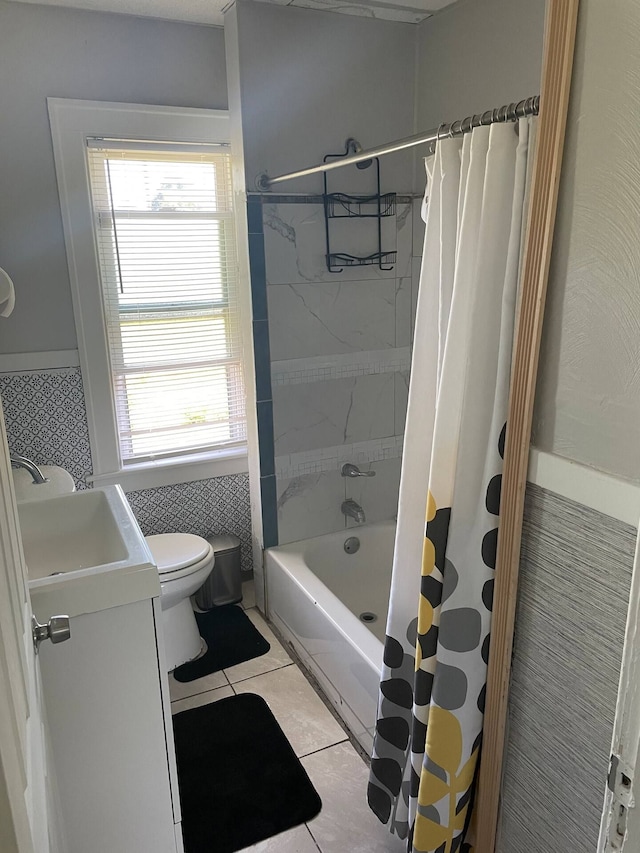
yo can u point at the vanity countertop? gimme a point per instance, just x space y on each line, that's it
84 553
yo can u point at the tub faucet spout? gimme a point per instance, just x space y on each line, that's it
31 467
353 510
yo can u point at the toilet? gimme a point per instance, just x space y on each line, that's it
184 563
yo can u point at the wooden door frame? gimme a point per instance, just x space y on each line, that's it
559 42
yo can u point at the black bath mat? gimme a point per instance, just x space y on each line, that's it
231 638
240 780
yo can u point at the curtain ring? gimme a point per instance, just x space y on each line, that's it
439 135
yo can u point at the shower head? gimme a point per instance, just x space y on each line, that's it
352 146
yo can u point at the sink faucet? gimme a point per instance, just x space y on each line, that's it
31 467
353 510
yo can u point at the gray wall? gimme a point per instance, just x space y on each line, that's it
588 405
309 79
76 54
476 55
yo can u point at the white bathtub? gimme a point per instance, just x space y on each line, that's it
315 595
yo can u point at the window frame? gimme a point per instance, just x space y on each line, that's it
73 122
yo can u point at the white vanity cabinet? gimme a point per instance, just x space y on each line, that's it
111 735
105 689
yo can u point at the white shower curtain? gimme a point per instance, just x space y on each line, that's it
429 726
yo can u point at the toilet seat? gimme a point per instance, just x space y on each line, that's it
178 554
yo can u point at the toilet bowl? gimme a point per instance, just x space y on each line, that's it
184 563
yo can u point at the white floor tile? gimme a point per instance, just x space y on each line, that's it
297 840
300 712
276 657
248 595
180 690
201 699
340 776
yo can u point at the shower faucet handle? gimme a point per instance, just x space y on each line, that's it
350 470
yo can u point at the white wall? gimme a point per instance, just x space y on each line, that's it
76 54
476 55
310 79
588 404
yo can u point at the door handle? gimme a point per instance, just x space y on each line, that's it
57 629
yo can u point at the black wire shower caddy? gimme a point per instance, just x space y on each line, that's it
344 206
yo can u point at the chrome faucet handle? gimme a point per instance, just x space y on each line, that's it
350 470
22 462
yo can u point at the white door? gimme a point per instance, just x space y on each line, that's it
28 820
620 826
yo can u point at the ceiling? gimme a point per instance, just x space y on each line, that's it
211 12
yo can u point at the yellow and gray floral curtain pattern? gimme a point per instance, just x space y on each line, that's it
429 726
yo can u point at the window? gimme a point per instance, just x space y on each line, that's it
147 202
166 244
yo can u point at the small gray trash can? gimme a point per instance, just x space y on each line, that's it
224 584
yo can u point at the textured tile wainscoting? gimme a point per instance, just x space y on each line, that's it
46 419
575 575
219 505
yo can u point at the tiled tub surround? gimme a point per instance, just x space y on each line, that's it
309 504
575 574
339 351
341 411
295 243
46 420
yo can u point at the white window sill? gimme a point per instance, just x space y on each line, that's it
170 472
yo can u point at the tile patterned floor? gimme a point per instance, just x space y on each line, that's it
345 824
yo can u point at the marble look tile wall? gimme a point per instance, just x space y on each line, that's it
294 371
295 243
46 420
339 346
310 319
340 411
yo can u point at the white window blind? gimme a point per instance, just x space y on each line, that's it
166 244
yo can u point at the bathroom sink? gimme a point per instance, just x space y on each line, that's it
70 533
84 551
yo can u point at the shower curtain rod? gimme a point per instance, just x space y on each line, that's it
510 112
